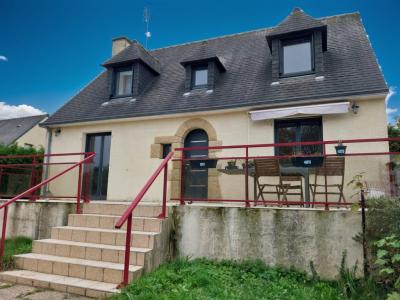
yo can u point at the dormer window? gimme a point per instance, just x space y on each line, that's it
123 85
199 77
296 56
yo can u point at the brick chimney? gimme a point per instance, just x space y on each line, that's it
119 44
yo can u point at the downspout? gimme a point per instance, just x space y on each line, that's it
45 188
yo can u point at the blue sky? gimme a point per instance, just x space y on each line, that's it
50 49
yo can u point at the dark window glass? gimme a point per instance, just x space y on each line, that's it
297 56
166 149
199 76
300 130
123 82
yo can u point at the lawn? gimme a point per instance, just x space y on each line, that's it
204 279
14 246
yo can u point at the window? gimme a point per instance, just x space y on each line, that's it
166 149
123 82
199 76
296 56
298 130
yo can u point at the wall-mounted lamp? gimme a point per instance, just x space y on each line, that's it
57 132
354 108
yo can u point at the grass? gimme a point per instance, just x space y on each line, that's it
13 246
205 279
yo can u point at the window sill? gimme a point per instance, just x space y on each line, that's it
200 87
121 96
291 75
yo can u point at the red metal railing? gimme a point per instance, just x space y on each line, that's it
88 157
34 170
246 157
127 215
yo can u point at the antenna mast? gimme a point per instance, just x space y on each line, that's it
146 19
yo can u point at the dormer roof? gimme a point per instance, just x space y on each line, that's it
296 22
134 52
203 54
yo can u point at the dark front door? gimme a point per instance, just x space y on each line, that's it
196 179
98 170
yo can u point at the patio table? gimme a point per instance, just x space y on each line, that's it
302 171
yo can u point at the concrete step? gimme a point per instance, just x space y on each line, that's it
140 239
118 208
108 222
76 267
83 287
90 251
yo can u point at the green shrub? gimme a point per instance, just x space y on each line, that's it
16 180
388 261
382 219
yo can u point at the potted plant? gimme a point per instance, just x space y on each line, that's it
340 149
231 165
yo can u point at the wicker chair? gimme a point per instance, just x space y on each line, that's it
332 167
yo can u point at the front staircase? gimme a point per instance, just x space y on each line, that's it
86 256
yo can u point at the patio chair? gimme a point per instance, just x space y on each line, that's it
292 185
332 167
270 167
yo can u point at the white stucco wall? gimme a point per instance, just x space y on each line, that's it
36 136
131 165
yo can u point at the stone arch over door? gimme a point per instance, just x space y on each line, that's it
196 123
177 141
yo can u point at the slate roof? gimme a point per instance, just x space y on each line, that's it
296 21
350 68
134 52
12 129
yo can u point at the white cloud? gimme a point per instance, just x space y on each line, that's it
3 58
15 111
390 111
392 92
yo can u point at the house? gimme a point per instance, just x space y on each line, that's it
306 79
24 131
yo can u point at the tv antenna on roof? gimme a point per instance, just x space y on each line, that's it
146 19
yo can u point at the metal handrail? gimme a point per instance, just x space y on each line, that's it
89 157
329 142
127 215
43 155
246 157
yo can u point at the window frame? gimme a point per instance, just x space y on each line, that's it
293 41
196 68
298 122
115 81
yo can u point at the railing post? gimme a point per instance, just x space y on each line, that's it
125 278
1 178
3 236
364 240
182 177
164 203
247 177
78 194
32 197
86 182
